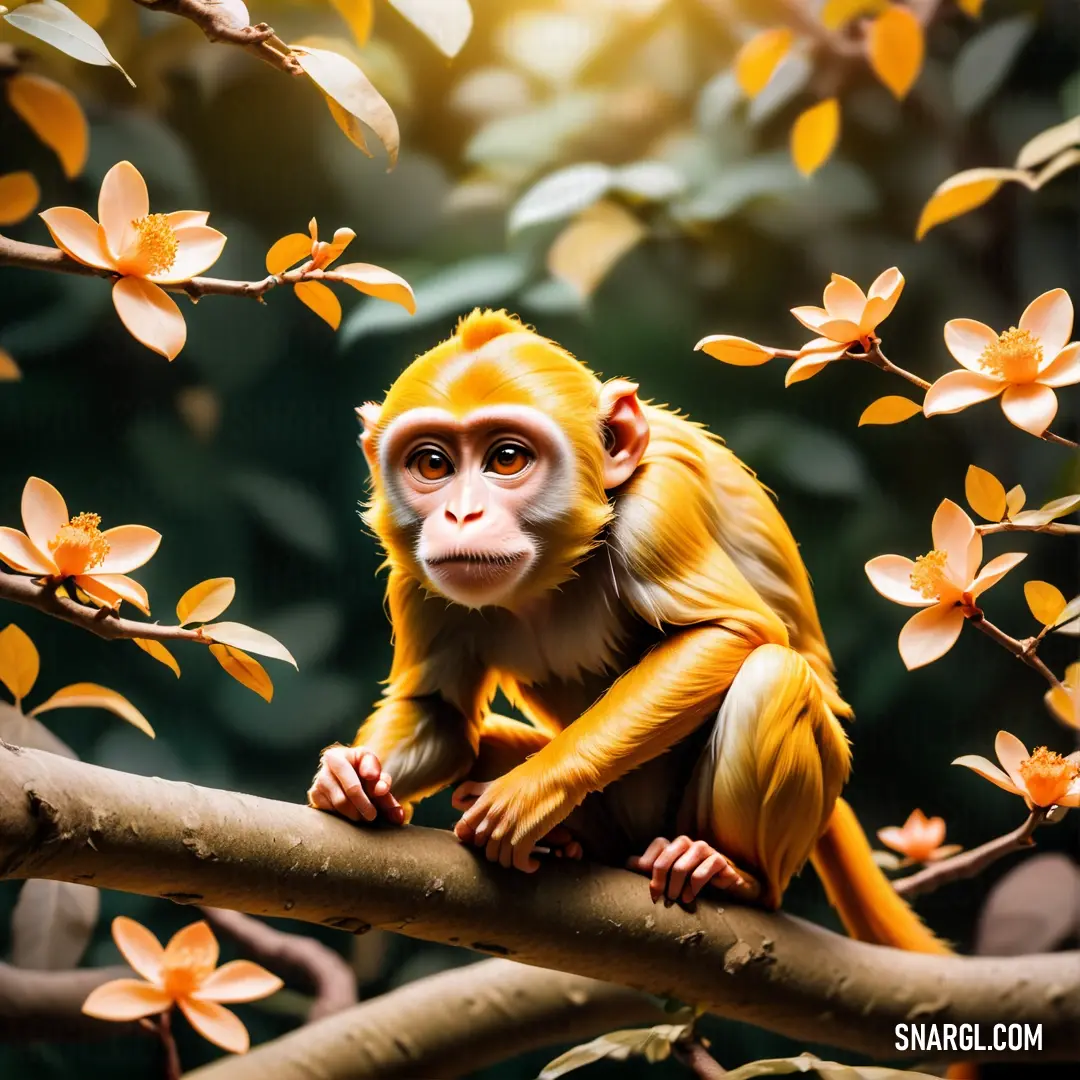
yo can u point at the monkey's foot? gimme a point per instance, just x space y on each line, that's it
561 843
679 869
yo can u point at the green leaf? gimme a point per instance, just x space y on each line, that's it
655 181
59 26
561 195
983 64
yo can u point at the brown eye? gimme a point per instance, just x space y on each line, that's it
508 459
430 464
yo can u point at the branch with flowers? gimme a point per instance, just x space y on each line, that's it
227 849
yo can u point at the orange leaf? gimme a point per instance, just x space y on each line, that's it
985 493
1015 498
240 636
321 299
288 251
1045 601
19 194
159 652
759 58
814 135
244 669
586 250
9 370
359 14
896 48
378 282
962 193
893 409
735 350
55 116
19 661
85 695
206 601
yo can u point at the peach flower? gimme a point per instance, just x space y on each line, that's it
146 250
1043 778
945 582
1023 364
919 839
184 973
58 546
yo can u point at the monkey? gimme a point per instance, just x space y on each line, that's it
632 589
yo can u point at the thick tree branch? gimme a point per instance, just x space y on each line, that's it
448 1025
72 821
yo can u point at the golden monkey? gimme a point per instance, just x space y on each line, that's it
633 591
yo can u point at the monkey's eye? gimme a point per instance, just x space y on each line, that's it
430 464
508 459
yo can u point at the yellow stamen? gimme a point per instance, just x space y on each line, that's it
184 970
79 546
1016 355
929 574
157 242
1047 776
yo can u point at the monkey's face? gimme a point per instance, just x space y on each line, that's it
479 494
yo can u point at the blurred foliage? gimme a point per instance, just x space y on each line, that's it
242 452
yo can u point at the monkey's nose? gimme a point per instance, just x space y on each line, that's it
458 517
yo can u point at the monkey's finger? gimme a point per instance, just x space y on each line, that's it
466 794
663 863
714 869
351 788
644 863
683 866
482 832
491 851
523 857
369 769
463 831
331 797
382 785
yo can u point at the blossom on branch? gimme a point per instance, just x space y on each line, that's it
185 974
987 496
57 546
1023 364
919 839
946 582
1043 778
146 250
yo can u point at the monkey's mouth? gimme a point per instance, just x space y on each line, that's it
493 561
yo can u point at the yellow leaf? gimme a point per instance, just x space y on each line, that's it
586 250
288 251
1065 704
55 116
19 661
9 370
321 299
1049 143
353 129
1014 500
19 194
159 652
240 636
814 135
893 409
985 493
895 47
735 350
1060 507
970 7
759 58
446 23
359 14
1046 601
85 695
244 669
343 82
378 282
838 13
206 601
962 193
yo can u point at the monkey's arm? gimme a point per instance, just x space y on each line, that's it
671 691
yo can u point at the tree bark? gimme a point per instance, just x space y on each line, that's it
78 822
48 1004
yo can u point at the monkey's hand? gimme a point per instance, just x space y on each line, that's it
560 842
679 869
351 782
509 816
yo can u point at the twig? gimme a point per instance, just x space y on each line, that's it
1024 650
1055 528
162 1028
317 967
214 22
694 1055
1050 436
875 356
969 863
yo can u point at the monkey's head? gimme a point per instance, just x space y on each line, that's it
492 458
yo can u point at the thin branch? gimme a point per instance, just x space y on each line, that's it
1023 650
1054 528
161 1026
317 967
213 19
68 820
968 864
1060 440
875 356
696 1057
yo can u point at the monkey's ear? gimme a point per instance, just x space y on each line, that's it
626 431
368 415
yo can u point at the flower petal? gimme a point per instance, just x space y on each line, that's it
735 350
129 547
844 299
995 570
44 512
198 248
1064 369
126 999
377 281
930 634
194 947
21 555
989 771
894 837
887 286
239 980
967 339
123 199
286 252
77 234
1011 752
1049 318
953 533
321 299
139 947
1031 406
109 588
182 219
821 322
150 315
956 390
811 317
891 576
217 1024
823 348
342 239
806 367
